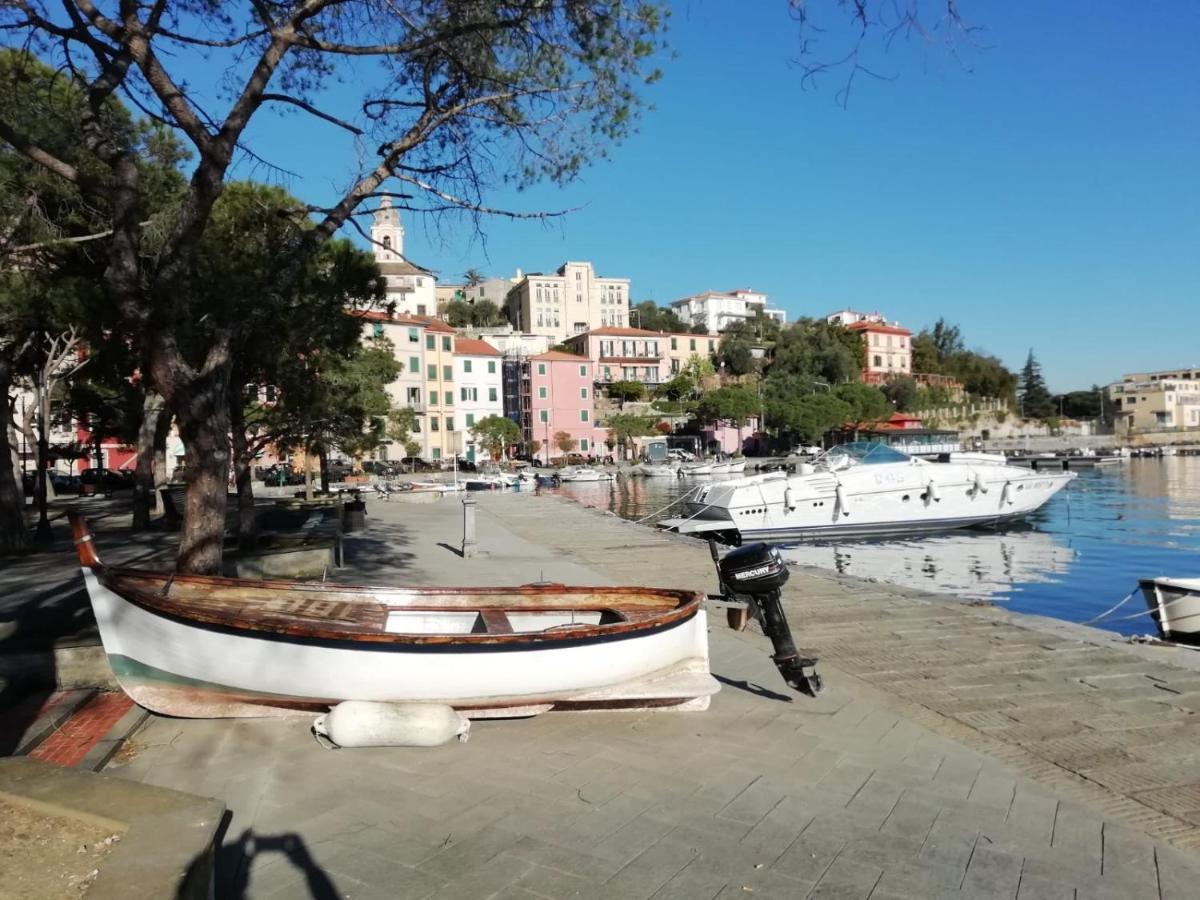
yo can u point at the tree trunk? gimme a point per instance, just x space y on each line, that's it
14 538
323 456
247 520
201 408
308 491
144 487
162 430
42 394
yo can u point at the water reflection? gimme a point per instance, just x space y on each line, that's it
1075 557
969 564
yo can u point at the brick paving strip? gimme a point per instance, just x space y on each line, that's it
75 738
956 752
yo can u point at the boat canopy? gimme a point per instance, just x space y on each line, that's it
861 453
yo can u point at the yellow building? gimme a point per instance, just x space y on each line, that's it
1157 401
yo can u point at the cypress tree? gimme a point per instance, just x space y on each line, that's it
1036 402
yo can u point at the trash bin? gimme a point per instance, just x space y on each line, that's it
354 515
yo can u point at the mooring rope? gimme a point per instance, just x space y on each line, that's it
1113 609
686 495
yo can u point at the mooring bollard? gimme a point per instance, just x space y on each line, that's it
468 541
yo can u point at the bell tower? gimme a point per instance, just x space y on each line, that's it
387 233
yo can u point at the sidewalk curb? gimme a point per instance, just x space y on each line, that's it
51 722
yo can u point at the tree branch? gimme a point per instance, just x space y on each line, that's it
309 108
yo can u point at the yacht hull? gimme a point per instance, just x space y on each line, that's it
896 499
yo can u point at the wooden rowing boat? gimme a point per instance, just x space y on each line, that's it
204 647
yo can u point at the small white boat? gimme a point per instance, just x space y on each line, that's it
208 647
701 468
497 481
737 466
585 473
1174 605
442 487
657 471
720 468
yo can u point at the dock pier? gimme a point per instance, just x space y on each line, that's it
957 751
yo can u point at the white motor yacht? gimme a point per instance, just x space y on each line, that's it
1174 604
864 489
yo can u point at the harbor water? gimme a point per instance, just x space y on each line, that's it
1073 559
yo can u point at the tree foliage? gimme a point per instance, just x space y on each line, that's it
564 442
623 427
652 317
482 314
941 351
626 391
496 434
734 403
456 97
902 393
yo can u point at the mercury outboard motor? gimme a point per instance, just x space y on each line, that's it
756 574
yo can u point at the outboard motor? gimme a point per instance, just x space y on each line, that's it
756 575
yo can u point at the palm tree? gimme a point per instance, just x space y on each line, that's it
473 277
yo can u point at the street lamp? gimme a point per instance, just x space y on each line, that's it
822 384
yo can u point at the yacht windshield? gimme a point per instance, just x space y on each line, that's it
861 453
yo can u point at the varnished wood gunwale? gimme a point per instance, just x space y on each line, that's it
639 609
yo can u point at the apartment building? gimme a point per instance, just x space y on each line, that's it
424 346
889 350
561 399
1157 401
636 354
478 380
717 310
572 300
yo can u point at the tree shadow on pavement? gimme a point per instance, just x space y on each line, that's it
377 552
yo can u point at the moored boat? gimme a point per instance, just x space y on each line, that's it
650 470
863 490
585 473
1174 604
205 647
700 468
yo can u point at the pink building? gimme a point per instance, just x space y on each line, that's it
635 354
560 399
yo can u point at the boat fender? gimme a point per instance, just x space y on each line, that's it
839 496
369 723
1006 493
789 498
806 469
931 492
980 487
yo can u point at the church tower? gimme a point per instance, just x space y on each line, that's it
387 233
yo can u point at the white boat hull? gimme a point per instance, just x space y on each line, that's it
1174 604
868 501
586 475
167 664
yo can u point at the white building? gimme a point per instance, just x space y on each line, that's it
717 310
508 340
411 288
847 317
571 301
478 375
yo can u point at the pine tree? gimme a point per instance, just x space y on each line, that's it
1036 402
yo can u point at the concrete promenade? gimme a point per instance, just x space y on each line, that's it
956 752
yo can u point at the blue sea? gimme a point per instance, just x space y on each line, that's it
1075 558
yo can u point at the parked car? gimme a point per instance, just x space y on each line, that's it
281 474
338 469
415 464
680 455
465 465
65 484
578 459
378 468
104 479
806 450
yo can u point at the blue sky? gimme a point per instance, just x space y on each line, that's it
1044 194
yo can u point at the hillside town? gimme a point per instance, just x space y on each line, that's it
561 354
561 449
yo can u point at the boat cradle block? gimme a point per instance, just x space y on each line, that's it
371 723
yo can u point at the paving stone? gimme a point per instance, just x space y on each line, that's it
1034 887
692 883
847 878
992 873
